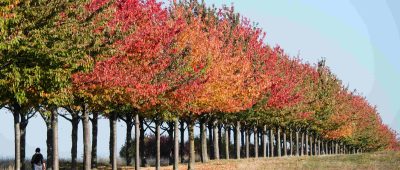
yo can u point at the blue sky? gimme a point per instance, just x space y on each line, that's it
359 39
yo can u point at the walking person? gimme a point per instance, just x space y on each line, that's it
37 162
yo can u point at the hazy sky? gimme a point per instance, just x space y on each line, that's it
360 40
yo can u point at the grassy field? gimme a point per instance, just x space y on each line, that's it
366 161
379 160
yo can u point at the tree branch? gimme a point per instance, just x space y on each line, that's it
65 117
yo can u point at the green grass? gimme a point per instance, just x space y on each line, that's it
366 161
378 160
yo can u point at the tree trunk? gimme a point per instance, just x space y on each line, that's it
271 141
191 145
278 141
306 143
203 136
237 139
297 143
291 142
284 143
129 127
242 134
182 144
336 148
17 142
264 142
255 142
137 142
170 132
315 145
267 140
326 147
86 140
219 140
94 140
210 139
247 143
311 144
49 143
216 140
319 147
113 141
227 141
23 125
176 144
74 138
158 152
141 148
54 126
302 144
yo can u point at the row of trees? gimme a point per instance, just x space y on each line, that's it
135 60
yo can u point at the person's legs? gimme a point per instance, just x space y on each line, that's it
38 167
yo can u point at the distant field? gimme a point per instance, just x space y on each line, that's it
366 161
379 160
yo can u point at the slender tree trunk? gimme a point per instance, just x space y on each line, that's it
302 144
278 141
210 138
49 143
319 147
158 153
94 140
54 126
306 143
137 142
336 148
113 141
264 142
220 139
203 136
247 143
271 141
142 148
129 127
227 141
23 125
216 140
291 142
326 147
267 140
260 133
284 143
191 145
255 142
237 139
171 141
86 140
322 146
176 144
74 138
297 143
17 142
243 145
182 144
315 144
311 144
